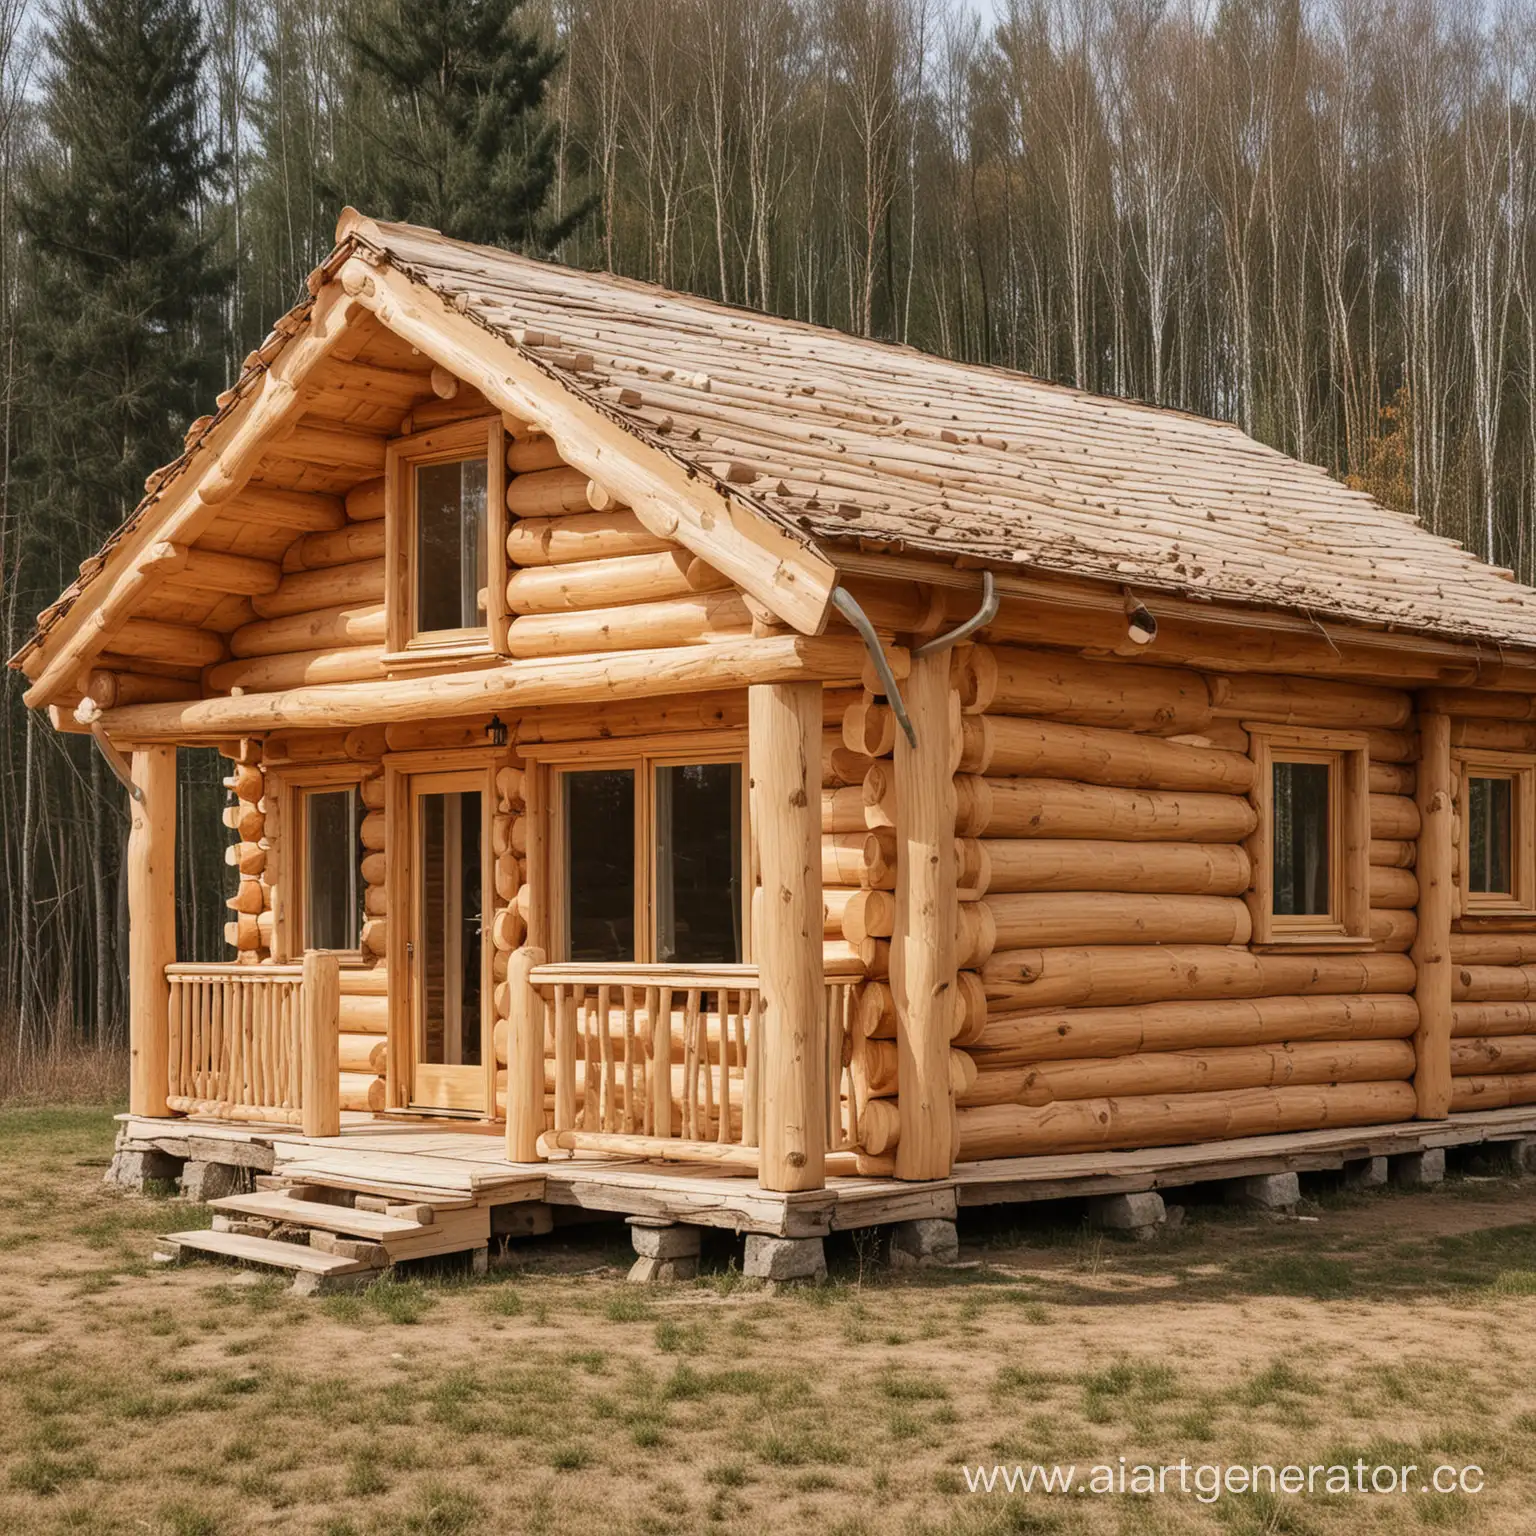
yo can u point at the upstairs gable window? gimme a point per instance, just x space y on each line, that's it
446 581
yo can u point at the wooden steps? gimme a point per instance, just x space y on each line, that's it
297 1259
271 1205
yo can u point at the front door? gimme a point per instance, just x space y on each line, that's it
447 954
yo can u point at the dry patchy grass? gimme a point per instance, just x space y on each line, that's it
553 1398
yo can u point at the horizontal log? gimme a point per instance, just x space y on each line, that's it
109 688
1391 778
547 492
210 570
324 629
1493 1054
867 914
860 858
610 583
843 810
1392 746
701 616
342 546
1041 920
367 503
1058 808
362 1092
167 642
295 669
1007 747
333 587
583 536
1494 948
350 449
1087 864
375 936
1494 735
1492 983
875 1010
1003 680
1392 854
1394 932
1115 974
1394 818
364 1053
514 686
869 727
1480 703
1503 1091
1085 1125
1472 1019
302 511
529 454
1225 1070
1278 700
1018 1039
1393 889
873 1068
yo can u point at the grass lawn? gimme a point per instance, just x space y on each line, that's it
1391 1328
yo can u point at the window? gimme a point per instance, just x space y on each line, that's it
1497 853
648 860
331 907
1311 847
443 496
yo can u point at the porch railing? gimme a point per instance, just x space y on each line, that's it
257 1043
664 1061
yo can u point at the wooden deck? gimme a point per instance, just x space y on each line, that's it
451 1164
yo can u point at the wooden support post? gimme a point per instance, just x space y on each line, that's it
322 1043
1435 794
784 745
525 1057
151 928
923 969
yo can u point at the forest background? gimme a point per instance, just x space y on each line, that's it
1315 219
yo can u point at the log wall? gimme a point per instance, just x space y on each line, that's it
1111 995
1493 959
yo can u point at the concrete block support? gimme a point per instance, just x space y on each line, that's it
665 1251
1137 1216
926 1244
213 1181
1265 1192
784 1258
1365 1173
1418 1170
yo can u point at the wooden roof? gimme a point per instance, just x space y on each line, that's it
867 444
845 444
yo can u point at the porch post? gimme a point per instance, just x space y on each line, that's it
525 1057
784 752
321 1082
151 927
1435 792
923 975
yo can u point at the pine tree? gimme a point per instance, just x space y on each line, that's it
122 341
462 144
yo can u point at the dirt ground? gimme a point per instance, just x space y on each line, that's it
1380 1330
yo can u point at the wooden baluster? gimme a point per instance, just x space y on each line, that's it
250 1039
606 1115
751 1107
723 1127
629 1061
187 1057
658 1065
659 1001
834 1038
591 1094
706 1072
743 1005
173 1045
218 1087
565 1058
690 1118
199 1046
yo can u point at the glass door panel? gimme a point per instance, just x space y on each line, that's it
447 949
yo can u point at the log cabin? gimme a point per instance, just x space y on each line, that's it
669 735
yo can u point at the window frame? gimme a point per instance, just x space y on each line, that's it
1347 923
552 762
294 783
1520 768
404 642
